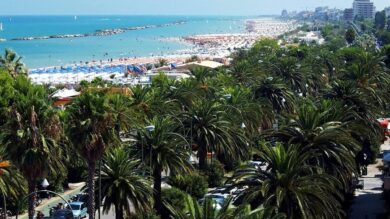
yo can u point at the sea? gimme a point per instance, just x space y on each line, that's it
132 43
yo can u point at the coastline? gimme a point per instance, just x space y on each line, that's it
204 46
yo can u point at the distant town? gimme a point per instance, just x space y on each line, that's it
361 9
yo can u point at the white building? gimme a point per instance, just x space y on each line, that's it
363 9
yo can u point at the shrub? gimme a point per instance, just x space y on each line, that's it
175 197
194 184
215 173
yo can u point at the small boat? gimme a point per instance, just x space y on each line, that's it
2 40
1 26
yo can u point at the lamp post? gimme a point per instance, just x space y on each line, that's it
150 128
100 187
45 184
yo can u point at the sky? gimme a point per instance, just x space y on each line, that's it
167 7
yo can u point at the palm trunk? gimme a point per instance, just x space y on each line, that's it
31 199
118 211
157 190
202 153
91 190
118 208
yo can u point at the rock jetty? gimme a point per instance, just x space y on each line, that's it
105 32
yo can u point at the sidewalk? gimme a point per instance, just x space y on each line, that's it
368 203
48 203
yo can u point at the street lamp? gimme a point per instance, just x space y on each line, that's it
45 184
150 128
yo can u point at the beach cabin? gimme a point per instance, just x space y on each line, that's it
187 67
112 90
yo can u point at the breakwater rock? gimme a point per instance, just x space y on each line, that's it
105 32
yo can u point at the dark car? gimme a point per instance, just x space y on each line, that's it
63 214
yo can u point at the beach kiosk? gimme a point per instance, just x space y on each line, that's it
64 96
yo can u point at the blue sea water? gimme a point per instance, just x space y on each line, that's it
146 42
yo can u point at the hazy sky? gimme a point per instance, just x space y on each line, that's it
168 7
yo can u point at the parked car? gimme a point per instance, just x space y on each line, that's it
79 209
217 198
63 214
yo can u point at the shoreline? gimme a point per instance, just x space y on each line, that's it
204 46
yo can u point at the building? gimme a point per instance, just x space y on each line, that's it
387 10
284 14
363 9
348 14
321 13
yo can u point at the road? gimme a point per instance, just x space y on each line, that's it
368 202
48 203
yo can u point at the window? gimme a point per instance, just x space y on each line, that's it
75 207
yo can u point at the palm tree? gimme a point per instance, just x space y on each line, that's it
12 184
211 129
362 108
290 70
121 105
290 183
31 134
122 184
369 70
162 148
251 114
274 90
91 129
211 210
200 81
241 72
322 130
12 63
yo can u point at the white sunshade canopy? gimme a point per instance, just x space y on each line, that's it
65 93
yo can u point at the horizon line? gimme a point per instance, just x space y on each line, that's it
214 15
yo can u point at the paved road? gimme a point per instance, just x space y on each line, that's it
48 203
368 203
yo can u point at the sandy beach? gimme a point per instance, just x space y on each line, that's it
208 46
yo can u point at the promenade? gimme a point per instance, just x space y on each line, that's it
368 202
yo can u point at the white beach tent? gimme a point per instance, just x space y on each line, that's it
65 93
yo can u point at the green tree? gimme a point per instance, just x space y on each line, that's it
12 63
211 210
350 36
210 129
91 129
161 147
380 20
291 184
123 186
321 130
276 93
388 24
31 133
